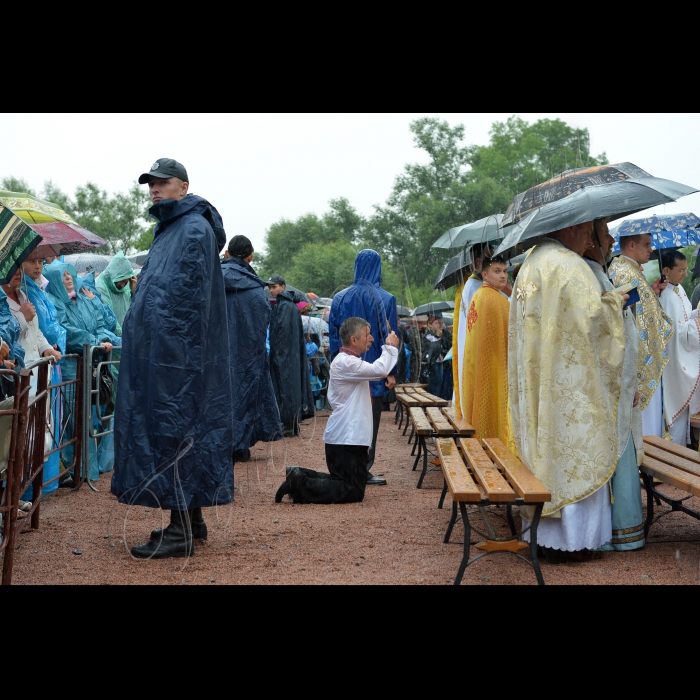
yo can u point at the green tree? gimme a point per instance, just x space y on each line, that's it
323 269
521 155
15 184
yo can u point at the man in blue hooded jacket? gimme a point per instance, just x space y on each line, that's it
366 299
174 413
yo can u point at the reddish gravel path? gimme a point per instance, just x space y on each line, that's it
393 537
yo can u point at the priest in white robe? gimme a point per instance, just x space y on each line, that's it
681 397
566 347
654 326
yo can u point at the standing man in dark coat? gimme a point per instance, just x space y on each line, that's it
289 366
255 413
174 412
366 299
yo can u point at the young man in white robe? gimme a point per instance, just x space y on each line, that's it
680 378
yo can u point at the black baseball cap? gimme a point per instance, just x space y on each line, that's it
276 279
165 168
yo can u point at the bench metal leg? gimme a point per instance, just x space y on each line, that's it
408 420
511 522
413 451
467 537
420 448
533 543
425 461
451 524
444 493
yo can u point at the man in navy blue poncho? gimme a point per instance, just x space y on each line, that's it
173 415
366 299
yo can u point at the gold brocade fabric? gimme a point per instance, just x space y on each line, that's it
566 347
456 350
655 327
485 373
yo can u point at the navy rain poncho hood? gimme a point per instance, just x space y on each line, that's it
256 416
365 299
173 416
289 366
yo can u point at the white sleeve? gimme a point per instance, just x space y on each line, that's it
378 369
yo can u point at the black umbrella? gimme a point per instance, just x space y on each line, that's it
433 306
454 270
402 311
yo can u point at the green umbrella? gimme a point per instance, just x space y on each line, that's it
17 241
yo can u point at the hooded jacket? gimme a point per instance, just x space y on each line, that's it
119 300
289 367
53 331
255 412
365 299
109 320
173 415
10 332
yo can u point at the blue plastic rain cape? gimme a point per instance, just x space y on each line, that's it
10 331
365 299
174 412
53 331
255 412
109 320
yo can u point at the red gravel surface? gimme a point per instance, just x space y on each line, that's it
394 537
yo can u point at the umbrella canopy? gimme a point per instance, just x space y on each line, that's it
138 258
433 306
454 270
403 311
666 230
17 241
59 238
88 262
313 324
613 199
486 229
34 210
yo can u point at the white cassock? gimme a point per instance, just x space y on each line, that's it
682 373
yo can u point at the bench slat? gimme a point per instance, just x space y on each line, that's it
434 400
525 483
420 422
494 485
673 460
408 400
457 476
442 425
460 425
670 475
668 446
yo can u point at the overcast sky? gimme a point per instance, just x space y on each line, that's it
258 168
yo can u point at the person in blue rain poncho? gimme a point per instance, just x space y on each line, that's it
366 299
84 326
256 416
174 409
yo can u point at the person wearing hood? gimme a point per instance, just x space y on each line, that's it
289 368
84 326
255 413
174 411
366 299
114 287
86 286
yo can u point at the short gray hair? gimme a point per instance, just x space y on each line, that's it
352 326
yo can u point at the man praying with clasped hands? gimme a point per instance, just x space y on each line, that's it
349 430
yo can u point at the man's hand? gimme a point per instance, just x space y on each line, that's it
390 382
392 339
658 286
132 283
4 351
107 346
53 353
28 311
635 402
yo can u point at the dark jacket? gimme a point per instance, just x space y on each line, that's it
173 432
365 299
255 412
289 367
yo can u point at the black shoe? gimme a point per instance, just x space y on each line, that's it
242 455
375 480
284 490
177 540
289 470
199 527
65 481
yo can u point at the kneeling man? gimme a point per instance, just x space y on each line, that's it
348 434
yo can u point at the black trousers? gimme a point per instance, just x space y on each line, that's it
346 482
377 403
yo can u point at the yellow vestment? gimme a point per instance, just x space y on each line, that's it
566 347
655 327
485 373
456 350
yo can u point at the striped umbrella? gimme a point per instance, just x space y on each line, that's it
17 241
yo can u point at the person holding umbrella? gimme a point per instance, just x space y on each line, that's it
654 326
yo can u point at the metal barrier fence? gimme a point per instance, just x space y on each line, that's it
47 417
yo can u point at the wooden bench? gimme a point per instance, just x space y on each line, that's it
400 390
484 475
431 422
695 421
672 464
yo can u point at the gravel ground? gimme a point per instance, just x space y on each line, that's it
393 537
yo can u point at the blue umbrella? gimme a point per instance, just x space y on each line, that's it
667 230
